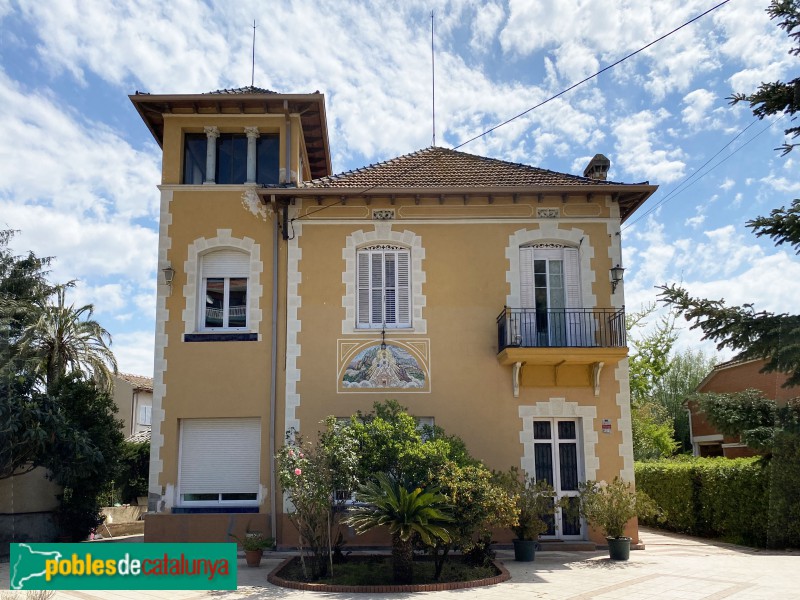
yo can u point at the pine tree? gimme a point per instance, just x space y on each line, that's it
759 334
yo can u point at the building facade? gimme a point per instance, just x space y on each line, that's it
485 296
133 395
728 378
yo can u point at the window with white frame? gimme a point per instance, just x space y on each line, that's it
384 287
145 415
550 295
224 290
219 461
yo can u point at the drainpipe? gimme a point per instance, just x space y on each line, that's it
273 373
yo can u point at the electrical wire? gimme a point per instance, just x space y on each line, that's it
699 174
540 104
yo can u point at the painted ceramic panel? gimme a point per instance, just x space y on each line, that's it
391 367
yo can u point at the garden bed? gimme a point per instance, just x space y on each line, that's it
373 574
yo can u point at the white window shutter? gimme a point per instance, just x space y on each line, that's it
226 263
219 456
526 278
572 278
145 413
363 289
403 289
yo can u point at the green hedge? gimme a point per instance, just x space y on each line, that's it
710 497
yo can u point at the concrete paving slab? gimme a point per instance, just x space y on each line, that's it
672 567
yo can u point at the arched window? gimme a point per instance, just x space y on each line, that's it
384 287
550 292
223 290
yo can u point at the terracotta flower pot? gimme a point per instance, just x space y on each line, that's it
253 557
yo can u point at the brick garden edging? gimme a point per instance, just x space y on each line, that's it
273 578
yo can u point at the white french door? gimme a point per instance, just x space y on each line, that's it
550 287
559 461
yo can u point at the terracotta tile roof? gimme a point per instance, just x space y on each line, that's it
138 438
243 90
139 382
440 167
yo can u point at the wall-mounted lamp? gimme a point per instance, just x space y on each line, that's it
169 274
383 339
616 277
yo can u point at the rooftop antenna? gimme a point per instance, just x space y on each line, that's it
253 69
433 84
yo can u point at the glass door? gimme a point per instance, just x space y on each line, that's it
558 461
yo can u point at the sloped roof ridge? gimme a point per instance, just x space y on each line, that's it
249 89
139 381
436 152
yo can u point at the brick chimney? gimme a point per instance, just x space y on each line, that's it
597 168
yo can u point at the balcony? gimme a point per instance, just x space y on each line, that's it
560 347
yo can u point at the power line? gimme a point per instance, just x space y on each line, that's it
601 71
532 108
699 174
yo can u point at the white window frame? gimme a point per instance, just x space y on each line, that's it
145 415
253 426
240 271
554 440
370 284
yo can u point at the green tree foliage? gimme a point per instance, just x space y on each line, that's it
51 415
777 97
649 360
390 441
90 416
31 423
422 512
774 430
652 428
759 334
749 414
478 503
62 339
711 497
311 474
133 471
686 370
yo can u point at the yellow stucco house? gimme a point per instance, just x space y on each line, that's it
481 294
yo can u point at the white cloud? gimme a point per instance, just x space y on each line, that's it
727 184
636 140
698 104
488 18
134 352
782 184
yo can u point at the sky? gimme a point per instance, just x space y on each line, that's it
79 169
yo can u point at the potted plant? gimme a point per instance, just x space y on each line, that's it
253 544
536 504
609 507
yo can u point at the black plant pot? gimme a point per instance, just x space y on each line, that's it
619 548
525 550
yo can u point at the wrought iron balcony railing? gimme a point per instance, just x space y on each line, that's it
561 328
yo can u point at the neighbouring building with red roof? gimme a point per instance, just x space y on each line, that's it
726 378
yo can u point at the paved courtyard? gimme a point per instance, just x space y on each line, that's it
672 566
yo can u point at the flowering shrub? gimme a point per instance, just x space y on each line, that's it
310 474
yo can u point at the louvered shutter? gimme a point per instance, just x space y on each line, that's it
572 278
403 289
384 288
526 278
376 287
226 263
219 456
363 289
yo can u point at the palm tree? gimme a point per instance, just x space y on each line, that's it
404 513
62 339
